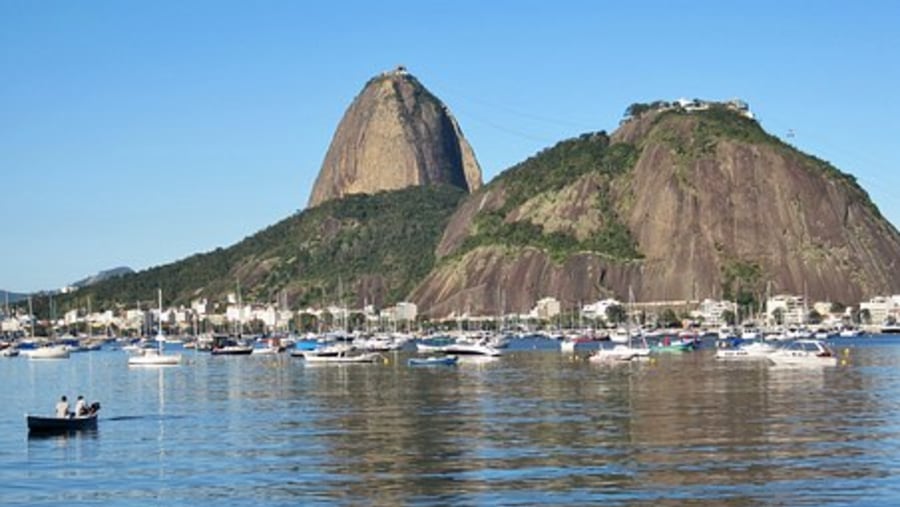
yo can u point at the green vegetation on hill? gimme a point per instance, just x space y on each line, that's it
388 237
720 123
552 170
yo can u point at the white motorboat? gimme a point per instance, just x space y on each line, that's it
804 353
471 349
341 357
151 357
751 350
48 352
619 353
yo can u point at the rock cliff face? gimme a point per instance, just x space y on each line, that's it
676 205
395 134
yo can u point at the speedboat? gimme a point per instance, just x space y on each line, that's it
226 346
804 353
471 349
151 357
745 349
619 353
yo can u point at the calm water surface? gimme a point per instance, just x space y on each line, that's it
533 427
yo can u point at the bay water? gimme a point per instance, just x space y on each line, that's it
532 427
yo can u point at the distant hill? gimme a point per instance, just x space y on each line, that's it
13 296
103 275
678 205
372 248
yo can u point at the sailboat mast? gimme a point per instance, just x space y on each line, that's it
159 331
240 311
31 317
87 319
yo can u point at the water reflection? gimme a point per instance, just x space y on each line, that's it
528 427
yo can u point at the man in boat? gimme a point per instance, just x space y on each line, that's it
62 408
81 408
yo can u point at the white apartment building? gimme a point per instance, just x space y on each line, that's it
598 309
545 309
793 309
201 307
880 308
713 312
405 310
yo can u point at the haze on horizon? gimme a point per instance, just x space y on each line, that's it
141 134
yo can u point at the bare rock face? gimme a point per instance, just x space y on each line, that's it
711 203
395 134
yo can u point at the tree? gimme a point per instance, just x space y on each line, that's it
814 317
729 317
636 109
865 316
615 314
838 307
668 318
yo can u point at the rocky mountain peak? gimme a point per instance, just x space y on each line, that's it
395 134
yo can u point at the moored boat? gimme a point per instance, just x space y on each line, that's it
433 361
49 352
619 353
227 346
804 353
157 356
342 357
152 357
745 350
471 349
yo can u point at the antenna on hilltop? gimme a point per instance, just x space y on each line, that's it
790 133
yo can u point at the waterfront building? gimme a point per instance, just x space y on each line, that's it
598 309
545 309
882 308
201 307
713 312
792 309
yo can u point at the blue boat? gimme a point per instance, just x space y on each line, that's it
433 361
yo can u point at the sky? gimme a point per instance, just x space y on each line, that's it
139 133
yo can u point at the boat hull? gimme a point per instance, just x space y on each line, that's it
155 360
369 357
232 351
58 425
433 361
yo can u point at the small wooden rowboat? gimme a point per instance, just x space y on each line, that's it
55 425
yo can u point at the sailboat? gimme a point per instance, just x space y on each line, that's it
156 357
623 352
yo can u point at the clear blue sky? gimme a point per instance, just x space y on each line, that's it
138 133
